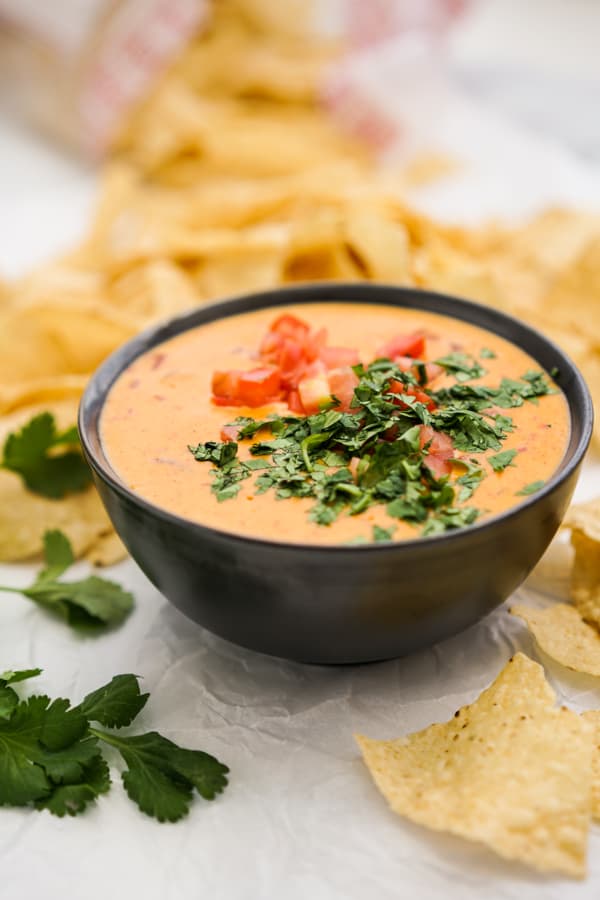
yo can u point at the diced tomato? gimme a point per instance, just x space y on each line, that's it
314 392
336 357
314 344
225 386
342 382
433 371
295 403
253 388
290 327
230 432
440 451
259 386
403 345
396 387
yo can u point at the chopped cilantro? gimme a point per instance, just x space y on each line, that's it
470 480
51 755
500 461
347 462
486 353
31 453
532 488
93 601
382 535
462 366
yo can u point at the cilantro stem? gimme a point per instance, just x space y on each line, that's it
313 440
107 738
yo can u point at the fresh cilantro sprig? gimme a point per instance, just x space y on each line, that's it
31 453
93 602
51 755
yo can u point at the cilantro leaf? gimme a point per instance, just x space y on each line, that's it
93 601
50 756
532 488
462 366
67 766
22 780
28 453
12 677
470 480
381 535
8 701
500 461
486 353
160 776
72 798
115 704
58 555
62 725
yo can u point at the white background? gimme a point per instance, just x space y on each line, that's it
301 818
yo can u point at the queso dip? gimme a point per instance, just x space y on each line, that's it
335 423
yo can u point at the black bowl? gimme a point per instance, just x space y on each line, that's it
338 604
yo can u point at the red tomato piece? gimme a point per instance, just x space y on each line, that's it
290 327
396 387
295 403
440 451
225 386
412 345
342 382
336 357
315 343
230 432
259 386
253 388
433 371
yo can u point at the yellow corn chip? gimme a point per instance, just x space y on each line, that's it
584 520
25 516
585 517
511 771
561 633
593 716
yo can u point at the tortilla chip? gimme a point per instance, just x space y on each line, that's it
381 246
25 516
107 550
585 576
561 633
585 517
511 771
584 520
43 339
41 390
593 716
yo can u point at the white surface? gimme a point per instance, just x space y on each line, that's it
301 818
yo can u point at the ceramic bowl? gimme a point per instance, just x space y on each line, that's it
338 604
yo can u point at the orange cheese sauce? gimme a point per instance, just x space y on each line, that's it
162 404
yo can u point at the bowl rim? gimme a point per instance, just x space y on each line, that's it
94 397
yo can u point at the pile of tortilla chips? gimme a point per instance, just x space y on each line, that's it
511 771
230 178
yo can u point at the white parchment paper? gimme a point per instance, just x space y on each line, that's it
301 818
